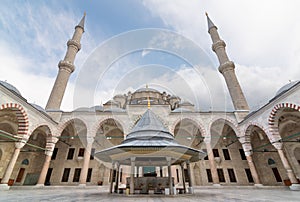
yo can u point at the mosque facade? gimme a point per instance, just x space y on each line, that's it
48 147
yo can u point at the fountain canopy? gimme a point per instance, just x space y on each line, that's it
150 144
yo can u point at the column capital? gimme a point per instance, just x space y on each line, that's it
248 153
20 144
207 140
90 140
277 145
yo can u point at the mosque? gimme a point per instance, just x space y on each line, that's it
149 139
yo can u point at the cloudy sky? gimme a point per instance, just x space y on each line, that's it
262 39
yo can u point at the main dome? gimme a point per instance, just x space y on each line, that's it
146 90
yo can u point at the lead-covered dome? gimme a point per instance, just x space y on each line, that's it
10 87
286 87
146 90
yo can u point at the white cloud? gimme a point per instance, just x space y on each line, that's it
33 40
261 36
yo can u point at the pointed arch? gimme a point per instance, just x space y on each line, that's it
249 127
21 115
194 121
273 118
97 125
64 124
227 121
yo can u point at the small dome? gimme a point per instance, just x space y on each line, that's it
10 87
174 97
185 103
38 107
112 102
115 110
182 110
119 96
97 108
286 87
146 90
82 109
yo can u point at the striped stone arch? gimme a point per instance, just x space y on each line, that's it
273 121
64 124
99 122
247 131
196 122
23 123
230 122
39 125
49 137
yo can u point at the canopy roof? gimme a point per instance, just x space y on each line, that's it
150 143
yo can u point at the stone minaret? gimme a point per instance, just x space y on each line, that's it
66 67
227 69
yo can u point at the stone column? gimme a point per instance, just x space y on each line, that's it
12 162
137 171
132 175
49 151
295 185
43 173
112 177
170 176
212 163
183 177
86 162
253 170
191 190
285 162
117 178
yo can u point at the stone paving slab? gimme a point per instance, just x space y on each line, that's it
67 194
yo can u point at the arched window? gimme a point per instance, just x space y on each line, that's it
25 162
271 162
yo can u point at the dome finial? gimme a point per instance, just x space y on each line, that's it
149 104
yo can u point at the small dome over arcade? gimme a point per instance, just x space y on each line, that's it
38 107
10 87
286 87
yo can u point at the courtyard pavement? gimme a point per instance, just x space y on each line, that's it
62 194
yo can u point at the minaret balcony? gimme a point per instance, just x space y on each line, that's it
218 44
66 65
229 65
75 43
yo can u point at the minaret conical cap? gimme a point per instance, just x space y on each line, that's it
210 24
81 23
